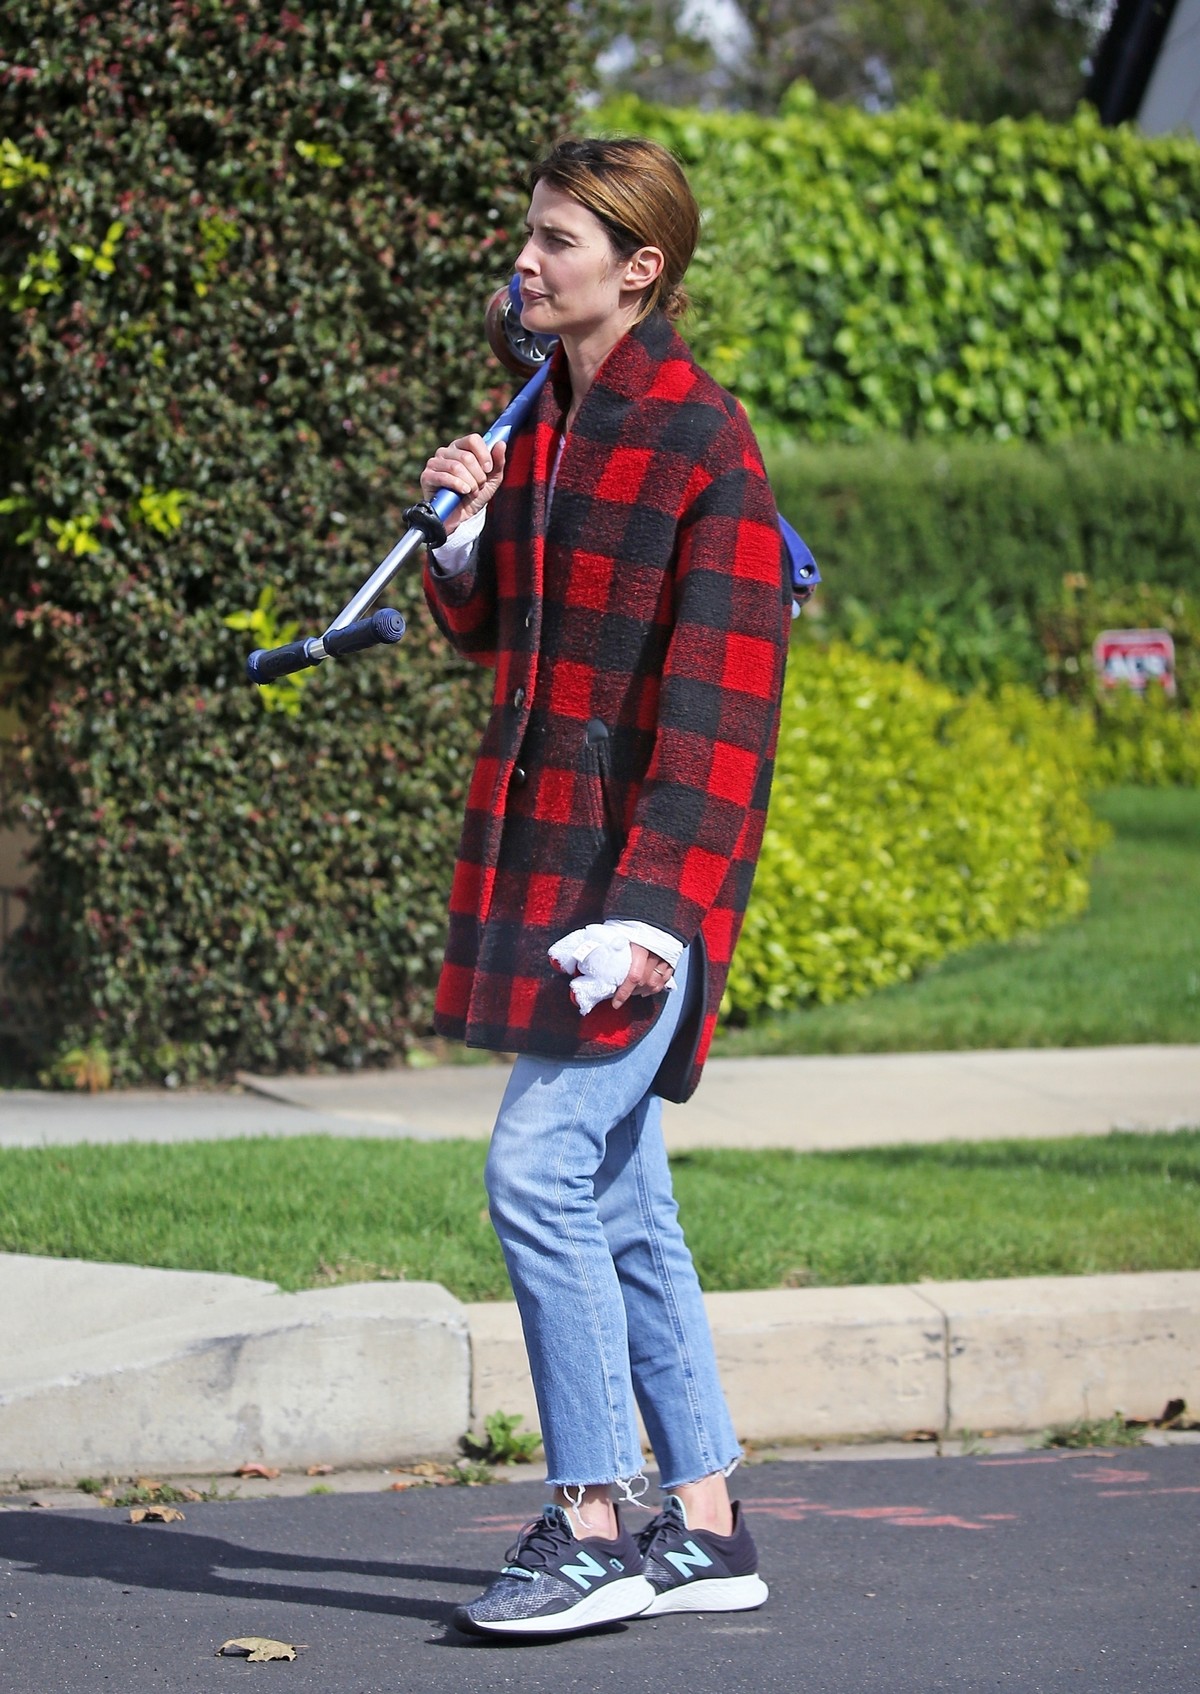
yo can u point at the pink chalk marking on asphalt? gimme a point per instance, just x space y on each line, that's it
1112 1473
493 1526
1069 1456
939 1523
1141 1493
794 1510
1042 1459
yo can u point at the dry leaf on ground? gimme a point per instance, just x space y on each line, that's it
253 1468
319 1470
257 1649
155 1514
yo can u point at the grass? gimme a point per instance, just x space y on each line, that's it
1127 971
290 1210
1092 1432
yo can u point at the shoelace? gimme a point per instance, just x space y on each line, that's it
646 1537
541 1539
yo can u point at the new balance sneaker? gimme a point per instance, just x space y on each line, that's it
552 1584
693 1570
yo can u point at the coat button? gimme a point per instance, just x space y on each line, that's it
519 776
529 620
518 698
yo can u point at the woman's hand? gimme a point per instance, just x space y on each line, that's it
471 468
648 974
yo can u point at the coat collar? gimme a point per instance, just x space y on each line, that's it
624 377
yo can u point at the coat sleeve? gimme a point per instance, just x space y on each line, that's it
464 606
700 808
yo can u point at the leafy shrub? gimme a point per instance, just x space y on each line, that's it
1150 739
908 273
986 564
910 520
958 637
244 254
1069 625
906 822
1145 740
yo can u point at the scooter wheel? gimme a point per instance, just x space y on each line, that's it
518 349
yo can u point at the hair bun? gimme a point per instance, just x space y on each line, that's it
675 302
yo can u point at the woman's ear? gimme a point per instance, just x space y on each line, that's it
644 268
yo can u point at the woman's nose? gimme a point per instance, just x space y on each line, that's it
524 264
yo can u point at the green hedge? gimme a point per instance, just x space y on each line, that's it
905 823
244 254
985 564
912 274
895 518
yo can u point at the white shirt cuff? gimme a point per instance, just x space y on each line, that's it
454 556
668 947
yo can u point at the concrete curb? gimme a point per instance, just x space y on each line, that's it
878 1362
169 1371
197 1374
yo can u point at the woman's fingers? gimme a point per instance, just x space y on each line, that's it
469 467
648 974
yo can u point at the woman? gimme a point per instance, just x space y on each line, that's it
621 568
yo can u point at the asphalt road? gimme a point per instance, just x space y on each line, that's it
1062 1573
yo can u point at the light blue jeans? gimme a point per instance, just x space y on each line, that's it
580 1195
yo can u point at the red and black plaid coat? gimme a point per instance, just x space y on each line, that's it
638 639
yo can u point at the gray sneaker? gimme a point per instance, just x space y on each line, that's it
693 1570
552 1584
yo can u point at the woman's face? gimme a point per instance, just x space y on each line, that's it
573 283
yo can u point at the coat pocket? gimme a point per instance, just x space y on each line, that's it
606 814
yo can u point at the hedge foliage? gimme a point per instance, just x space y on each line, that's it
244 254
893 519
907 822
985 564
911 274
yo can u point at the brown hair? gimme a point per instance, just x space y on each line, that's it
639 193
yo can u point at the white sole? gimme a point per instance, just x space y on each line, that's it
717 1594
626 1598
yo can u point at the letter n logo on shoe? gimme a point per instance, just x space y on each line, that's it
693 1558
586 1571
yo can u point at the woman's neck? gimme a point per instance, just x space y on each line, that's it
586 353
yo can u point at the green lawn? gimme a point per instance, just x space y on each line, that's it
314 1210
1127 971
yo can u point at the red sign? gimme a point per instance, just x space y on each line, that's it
1134 657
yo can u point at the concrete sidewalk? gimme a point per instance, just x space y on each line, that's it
808 1104
108 1368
